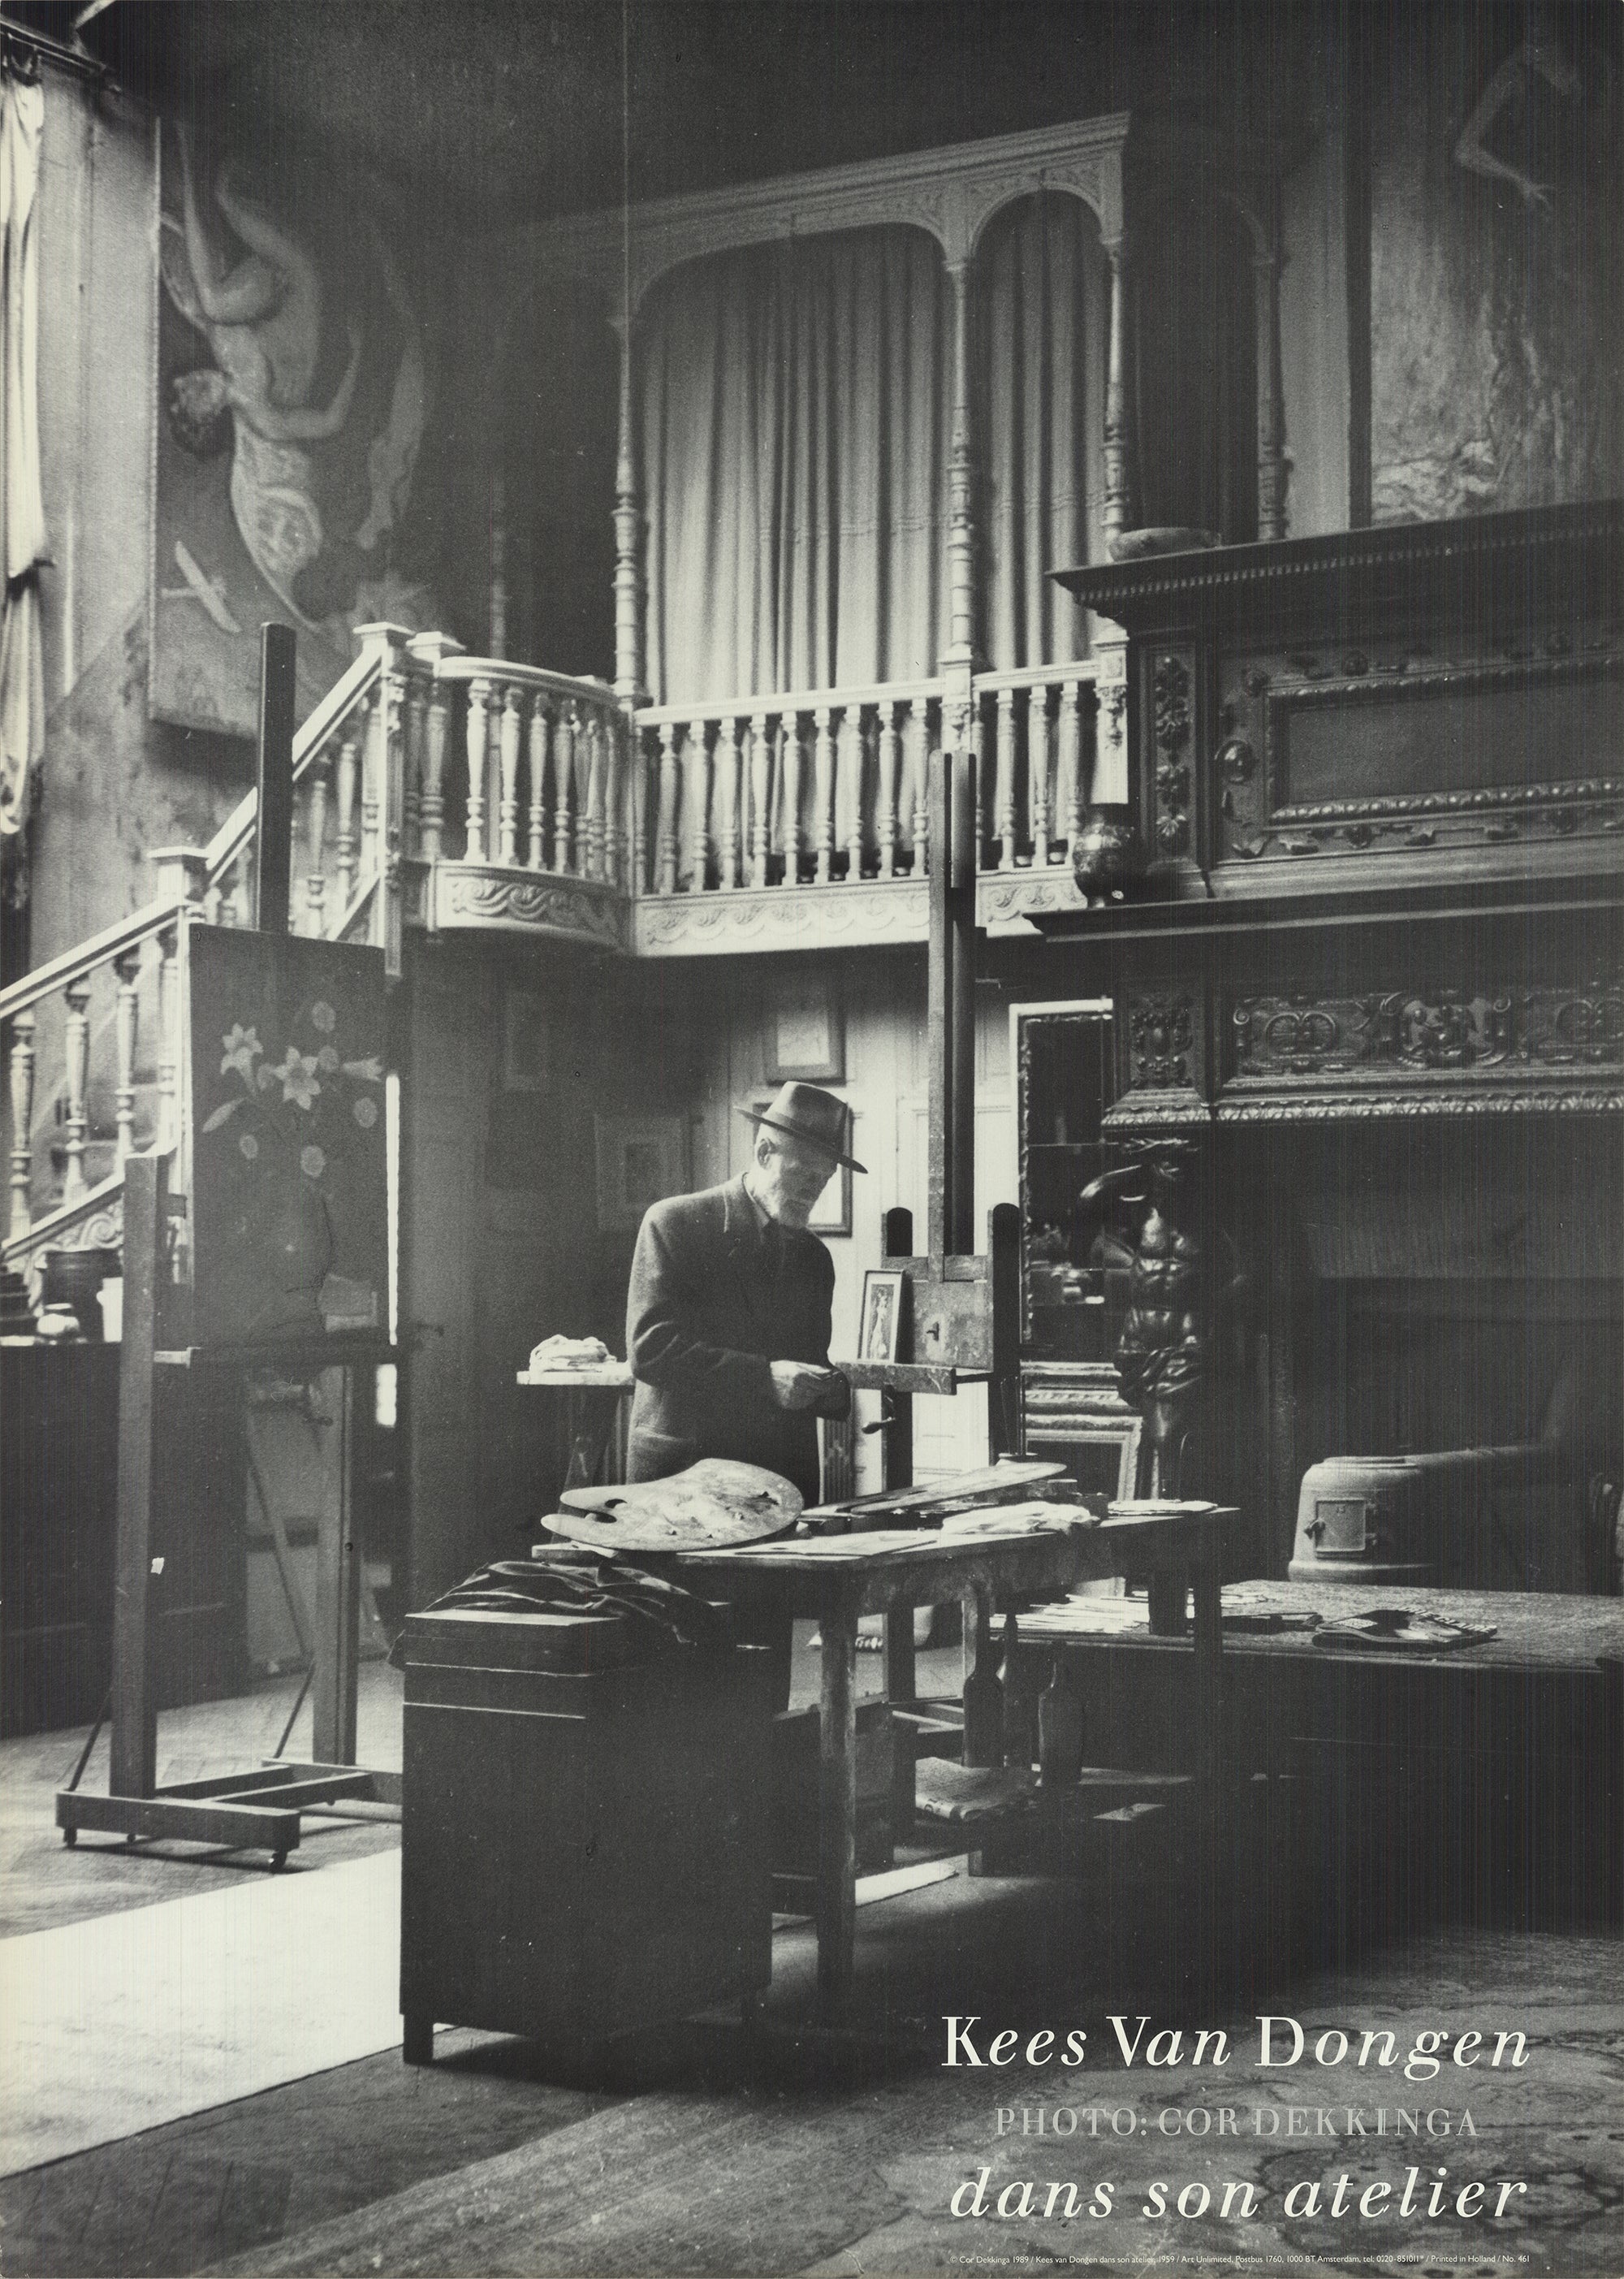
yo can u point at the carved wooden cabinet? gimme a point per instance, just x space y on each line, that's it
1373 971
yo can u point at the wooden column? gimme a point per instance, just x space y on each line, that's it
961 484
1271 426
951 1009
338 1593
1121 471
133 1769
22 1121
628 536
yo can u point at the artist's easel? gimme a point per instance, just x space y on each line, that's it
257 1809
964 1306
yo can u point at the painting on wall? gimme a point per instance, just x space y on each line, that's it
294 379
641 1159
288 1138
804 1030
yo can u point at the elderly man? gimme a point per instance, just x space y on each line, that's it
727 1317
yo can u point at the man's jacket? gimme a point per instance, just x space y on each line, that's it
708 1307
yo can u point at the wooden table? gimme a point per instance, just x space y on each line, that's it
838 1579
590 1424
1527 1723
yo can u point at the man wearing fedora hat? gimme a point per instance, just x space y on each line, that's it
727 1313
727 1317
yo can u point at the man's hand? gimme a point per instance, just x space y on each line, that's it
800 1384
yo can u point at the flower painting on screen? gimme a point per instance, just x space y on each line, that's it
288 1137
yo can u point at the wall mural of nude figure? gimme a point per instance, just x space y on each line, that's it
294 389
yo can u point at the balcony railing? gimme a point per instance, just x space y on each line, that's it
440 790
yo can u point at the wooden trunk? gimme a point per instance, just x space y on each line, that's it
584 1850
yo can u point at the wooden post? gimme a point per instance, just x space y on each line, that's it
951 1009
337 1602
273 840
837 1801
134 1770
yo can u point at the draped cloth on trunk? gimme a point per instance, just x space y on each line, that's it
22 513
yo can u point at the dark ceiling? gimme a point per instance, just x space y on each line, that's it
512 109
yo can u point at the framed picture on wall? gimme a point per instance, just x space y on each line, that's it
523 1040
641 1159
805 1031
832 1212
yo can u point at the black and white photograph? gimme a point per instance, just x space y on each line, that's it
812 1001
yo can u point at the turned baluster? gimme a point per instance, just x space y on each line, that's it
239 905
417 739
698 787
1071 755
76 1051
761 798
597 790
822 793
890 763
22 1121
512 736
564 785
169 1057
344 828
977 746
316 835
616 729
478 694
730 794
850 771
540 723
128 967
1004 792
1038 772
791 798
431 807
920 755
640 808
666 857
370 716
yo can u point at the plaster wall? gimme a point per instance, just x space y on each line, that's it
112 784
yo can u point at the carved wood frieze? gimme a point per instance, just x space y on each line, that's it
1406 731
1427 1051
1162 1063
1172 729
469 894
777 917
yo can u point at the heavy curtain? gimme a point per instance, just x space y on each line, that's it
794 451
22 513
796 419
796 408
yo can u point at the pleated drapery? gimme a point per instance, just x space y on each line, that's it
796 408
794 448
22 513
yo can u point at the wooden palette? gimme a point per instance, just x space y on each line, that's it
713 1504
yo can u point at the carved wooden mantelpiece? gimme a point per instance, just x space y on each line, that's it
1408 707
1475 1050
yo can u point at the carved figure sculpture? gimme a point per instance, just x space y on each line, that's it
1164 1353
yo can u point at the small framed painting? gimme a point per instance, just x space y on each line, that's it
884 1294
523 1040
641 1159
805 1039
